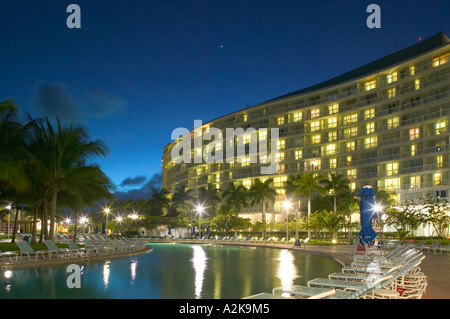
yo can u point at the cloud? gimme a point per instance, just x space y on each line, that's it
144 192
54 98
133 181
51 99
104 104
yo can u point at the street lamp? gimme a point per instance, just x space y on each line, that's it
107 211
199 208
287 205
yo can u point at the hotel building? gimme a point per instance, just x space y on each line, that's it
384 124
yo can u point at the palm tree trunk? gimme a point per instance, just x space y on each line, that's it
43 234
264 218
52 215
33 227
309 215
13 240
75 230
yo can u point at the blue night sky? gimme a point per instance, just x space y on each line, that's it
138 69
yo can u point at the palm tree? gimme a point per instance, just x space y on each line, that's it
13 150
182 199
306 184
209 196
260 192
159 201
65 152
336 184
235 196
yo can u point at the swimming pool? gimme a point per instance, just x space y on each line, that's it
173 271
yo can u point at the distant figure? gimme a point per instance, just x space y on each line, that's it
297 243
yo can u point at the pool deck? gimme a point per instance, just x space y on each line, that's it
435 266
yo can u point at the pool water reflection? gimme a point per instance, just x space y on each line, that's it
171 271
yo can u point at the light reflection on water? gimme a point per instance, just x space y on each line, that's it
174 271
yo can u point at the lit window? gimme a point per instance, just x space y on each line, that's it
333 109
350 146
245 161
413 150
297 117
351 174
315 113
370 142
332 122
439 161
280 181
370 128
392 92
279 156
246 139
370 113
315 126
442 59
412 70
280 120
349 161
298 154
392 184
245 117
331 149
370 85
351 118
393 122
263 135
414 133
333 162
332 136
351 132
314 165
417 84
392 77
281 144
440 127
217 178
316 139
437 179
352 186
415 182
391 169
247 183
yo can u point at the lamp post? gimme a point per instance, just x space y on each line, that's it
107 211
199 208
287 204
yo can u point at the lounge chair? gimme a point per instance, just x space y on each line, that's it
26 249
60 252
433 248
444 249
101 248
332 293
82 251
13 256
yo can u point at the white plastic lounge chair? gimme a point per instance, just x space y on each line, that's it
332 293
81 251
101 248
13 256
433 248
60 252
444 249
26 249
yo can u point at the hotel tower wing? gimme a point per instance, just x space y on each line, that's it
384 124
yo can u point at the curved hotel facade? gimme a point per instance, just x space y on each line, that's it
384 124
